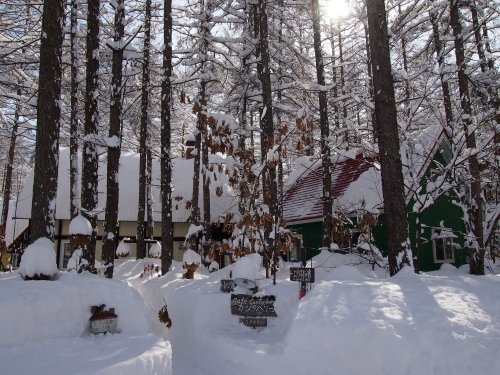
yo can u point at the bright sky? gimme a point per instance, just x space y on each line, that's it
335 9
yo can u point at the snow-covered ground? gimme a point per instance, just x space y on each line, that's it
352 321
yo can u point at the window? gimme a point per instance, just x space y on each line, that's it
442 243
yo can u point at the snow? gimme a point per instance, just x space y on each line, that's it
45 328
182 182
248 267
80 225
123 248
155 250
191 257
39 258
353 320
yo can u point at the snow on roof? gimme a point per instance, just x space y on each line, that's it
355 184
417 153
356 180
80 225
129 189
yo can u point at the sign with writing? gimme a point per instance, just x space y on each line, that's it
254 322
227 285
242 304
103 325
305 275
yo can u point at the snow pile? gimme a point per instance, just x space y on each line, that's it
155 250
248 267
191 257
48 322
80 225
123 248
38 259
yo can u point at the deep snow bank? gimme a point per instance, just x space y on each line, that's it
353 321
45 328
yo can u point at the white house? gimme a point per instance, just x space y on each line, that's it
128 202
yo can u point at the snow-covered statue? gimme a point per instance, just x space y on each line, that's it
80 234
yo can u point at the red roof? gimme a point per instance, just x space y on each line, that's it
303 201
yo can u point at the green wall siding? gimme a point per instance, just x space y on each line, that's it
311 237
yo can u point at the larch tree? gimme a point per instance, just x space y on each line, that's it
399 252
167 234
89 152
325 128
143 145
48 122
110 235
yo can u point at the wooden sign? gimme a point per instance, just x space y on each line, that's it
242 304
102 320
305 275
227 285
254 322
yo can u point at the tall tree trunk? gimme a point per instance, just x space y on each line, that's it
370 81
141 210
89 153
167 235
73 122
270 188
112 177
438 45
478 37
48 122
399 253
475 222
342 86
407 96
325 128
149 198
9 167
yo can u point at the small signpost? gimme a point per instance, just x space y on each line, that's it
102 321
227 285
302 274
305 275
253 309
254 322
245 305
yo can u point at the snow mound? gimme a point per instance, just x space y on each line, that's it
248 267
48 329
348 273
80 225
39 258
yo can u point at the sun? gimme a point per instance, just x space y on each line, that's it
336 9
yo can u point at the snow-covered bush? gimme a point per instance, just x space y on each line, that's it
248 267
39 261
155 250
191 257
123 248
80 225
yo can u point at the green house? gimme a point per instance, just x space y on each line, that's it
358 204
